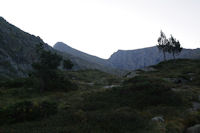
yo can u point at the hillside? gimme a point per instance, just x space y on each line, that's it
91 62
16 49
140 58
163 100
127 59
18 52
67 49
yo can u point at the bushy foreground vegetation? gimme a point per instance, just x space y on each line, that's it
168 92
26 111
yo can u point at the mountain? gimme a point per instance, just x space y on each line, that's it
17 49
60 46
140 58
127 59
88 61
18 52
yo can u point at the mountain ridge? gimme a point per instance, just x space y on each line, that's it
18 52
129 59
140 58
66 48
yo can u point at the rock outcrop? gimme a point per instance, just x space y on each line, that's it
17 50
141 58
194 129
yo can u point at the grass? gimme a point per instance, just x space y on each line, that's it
129 108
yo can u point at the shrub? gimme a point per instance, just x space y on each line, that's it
174 127
13 83
191 119
152 92
139 92
27 111
59 82
119 120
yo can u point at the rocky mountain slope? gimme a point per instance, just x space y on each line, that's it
60 46
17 52
16 49
140 58
128 59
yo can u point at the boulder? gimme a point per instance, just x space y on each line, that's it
194 129
158 119
196 106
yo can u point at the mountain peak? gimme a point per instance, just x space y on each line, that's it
61 43
1 18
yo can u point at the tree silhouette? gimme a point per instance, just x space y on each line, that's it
170 45
163 44
175 46
67 64
46 70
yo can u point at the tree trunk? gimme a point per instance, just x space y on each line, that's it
164 56
174 55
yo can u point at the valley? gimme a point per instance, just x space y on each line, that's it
93 107
59 89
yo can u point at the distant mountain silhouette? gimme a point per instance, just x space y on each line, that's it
17 53
88 61
60 46
140 58
128 59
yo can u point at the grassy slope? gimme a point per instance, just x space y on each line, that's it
169 91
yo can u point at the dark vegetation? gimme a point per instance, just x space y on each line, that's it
170 45
52 99
169 91
46 71
26 111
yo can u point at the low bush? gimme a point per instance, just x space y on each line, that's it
13 83
27 111
118 121
140 93
192 119
174 126
60 82
150 91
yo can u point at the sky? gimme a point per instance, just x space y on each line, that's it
101 27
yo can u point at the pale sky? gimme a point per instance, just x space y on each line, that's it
101 27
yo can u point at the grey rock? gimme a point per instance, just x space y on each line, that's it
176 90
148 69
158 119
91 84
196 106
194 129
132 74
110 86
